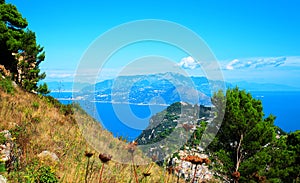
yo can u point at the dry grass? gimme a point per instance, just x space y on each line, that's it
38 125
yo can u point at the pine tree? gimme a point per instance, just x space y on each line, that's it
19 51
243 132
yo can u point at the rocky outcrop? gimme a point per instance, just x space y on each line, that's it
2 179
48 155
186 169
7 147
6 152
4 71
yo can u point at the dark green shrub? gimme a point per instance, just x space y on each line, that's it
2 138
43 174
53 101
6 85
35 105
36 119
64 109
43 89
2 167
46 175
67 109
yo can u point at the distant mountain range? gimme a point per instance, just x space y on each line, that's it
165 88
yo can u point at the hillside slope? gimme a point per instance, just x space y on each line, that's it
40 124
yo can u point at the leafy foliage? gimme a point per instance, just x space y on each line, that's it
43 89
40 174
20 53
67 109
2 167
6 85
246 143
195 140
2 138
163 129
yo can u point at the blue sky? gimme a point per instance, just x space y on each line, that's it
256 40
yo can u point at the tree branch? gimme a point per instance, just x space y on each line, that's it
239 154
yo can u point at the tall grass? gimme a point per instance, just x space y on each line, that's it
40 123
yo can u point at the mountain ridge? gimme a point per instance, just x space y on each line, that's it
166 88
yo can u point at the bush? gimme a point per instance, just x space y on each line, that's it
6 85
2 167
35 105
46 175
43 89
67 109
53 101
43 174
64 109
2 138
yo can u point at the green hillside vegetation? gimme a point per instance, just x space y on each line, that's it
39 123
247 148
41 141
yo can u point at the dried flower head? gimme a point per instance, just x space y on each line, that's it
88 154
132 146
196 160
178 168
236 175
259 178
105 157
170 169
206 161
146 174
187 127
154 158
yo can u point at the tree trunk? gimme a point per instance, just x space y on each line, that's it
239 154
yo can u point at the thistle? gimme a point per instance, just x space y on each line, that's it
105 158
131 148
88 155
195 160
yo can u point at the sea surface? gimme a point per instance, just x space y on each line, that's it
284 105
130 123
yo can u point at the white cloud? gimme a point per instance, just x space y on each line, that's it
230 65
189 63
255 63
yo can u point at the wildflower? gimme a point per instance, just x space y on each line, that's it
194 160
187 127
132 147
88 154
236 175
105 157
146 174
170 169
206 161
154 158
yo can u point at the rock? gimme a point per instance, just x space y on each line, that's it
2 179
6 149
48 154
6 134
186 169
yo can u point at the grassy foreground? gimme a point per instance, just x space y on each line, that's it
40 124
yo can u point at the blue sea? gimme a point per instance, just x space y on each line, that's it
128 124
284 105
128 120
